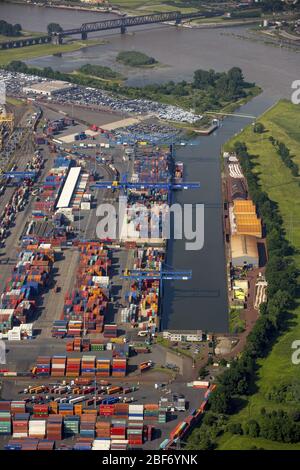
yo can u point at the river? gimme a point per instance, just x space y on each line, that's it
200 303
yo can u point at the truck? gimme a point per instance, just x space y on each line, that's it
145 366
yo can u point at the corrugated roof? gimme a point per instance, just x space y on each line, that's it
244 207
68 188
243 245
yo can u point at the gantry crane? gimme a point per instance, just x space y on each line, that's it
166 273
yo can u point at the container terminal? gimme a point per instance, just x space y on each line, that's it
87 365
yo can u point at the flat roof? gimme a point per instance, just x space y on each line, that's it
53 85
69 187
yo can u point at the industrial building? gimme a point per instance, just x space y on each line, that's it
245 220
244 250
48 88
68 189
183 335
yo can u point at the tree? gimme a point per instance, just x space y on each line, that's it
252 428
206 444
258 128
235 428
219 401
235 75
223 362
54 28
203 373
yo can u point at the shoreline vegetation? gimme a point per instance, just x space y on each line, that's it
100 72
209 90
136 59
43 50
257 404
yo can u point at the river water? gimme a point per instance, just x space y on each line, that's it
200 303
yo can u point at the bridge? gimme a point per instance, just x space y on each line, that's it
125 22
23 42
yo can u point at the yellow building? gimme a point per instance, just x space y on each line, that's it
244 206
248 224
246 220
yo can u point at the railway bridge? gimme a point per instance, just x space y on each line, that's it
23 42
123 23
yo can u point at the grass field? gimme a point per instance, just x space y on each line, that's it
40 50
283 123
147 6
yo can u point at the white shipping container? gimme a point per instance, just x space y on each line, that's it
85 206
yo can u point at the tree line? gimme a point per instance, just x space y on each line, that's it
285 156
7 29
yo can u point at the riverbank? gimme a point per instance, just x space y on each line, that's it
76 7
42 50
276 370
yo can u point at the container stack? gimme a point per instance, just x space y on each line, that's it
119 367
75 328
102 429
18 407
45 444
54 427
85 345
136 413
87 425
121 410
97 345
135 433
88 301
110 330
119 444
102 367
77 344
37 428
59 328
70 346
66 409
83 444
162 416
5 423
53 407
107 410
88 366
73 367
58 366
20 425
40 411
101 444
43 366
151 412
118 429
71 425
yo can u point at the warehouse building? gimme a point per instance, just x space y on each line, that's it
48 88
246 221
244 250
68 189
183 335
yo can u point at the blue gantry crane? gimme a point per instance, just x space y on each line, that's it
20 174
126 185
166 273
